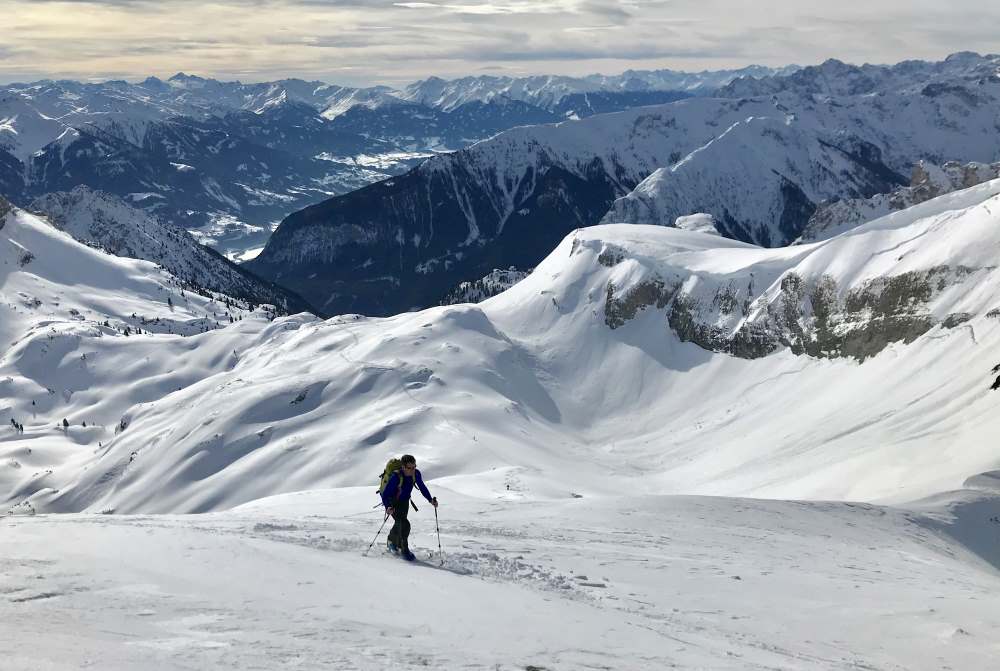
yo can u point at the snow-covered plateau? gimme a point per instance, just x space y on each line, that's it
660 448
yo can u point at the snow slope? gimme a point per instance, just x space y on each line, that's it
68 311
656 359
101 220
556 422
623 583
760 177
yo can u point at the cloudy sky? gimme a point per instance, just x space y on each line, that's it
382 41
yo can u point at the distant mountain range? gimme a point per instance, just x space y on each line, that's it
555 93
229 160
760 164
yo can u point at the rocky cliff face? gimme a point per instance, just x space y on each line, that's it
851 296
817 316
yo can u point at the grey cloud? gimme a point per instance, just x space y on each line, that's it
378 40
612 11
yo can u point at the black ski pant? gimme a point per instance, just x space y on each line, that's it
400 533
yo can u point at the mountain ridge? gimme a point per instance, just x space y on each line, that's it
506 200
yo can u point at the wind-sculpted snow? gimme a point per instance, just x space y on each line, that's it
622 582
656 360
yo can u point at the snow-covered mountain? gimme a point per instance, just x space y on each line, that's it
35 113
835 78
760 178
927 181
106 222
549 91
230 160
557 423
848 131
759 166
877 346
58 293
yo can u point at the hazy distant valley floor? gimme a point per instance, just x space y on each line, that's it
592 583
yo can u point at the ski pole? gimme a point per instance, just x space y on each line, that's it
377 534
436 526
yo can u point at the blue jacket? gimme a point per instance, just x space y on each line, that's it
392 488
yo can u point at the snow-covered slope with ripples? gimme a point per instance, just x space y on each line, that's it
659 360
556 422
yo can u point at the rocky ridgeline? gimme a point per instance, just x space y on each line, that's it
927 181
811 315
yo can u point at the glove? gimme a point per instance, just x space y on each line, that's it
434 502
388 511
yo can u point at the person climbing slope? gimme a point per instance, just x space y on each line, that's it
396 491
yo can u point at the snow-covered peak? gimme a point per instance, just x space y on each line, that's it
836 78
547 91
759 179
184 80
345 99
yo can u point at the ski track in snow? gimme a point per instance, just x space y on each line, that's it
694 582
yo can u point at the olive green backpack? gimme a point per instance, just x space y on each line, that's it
391 467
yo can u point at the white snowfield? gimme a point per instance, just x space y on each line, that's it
571 459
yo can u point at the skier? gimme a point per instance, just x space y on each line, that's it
396 499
